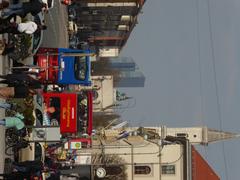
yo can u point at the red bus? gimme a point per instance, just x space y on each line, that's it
73 111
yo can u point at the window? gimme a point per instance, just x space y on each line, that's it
82 113
95 95
168 169
143 170
38 151
114 170
80 68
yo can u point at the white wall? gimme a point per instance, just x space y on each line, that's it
147 153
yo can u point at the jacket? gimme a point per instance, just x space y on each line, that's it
15 121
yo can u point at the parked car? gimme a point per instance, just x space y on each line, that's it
37 35
66 2
72 27
73 42
72 12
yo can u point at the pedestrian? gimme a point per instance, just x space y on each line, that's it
28 166
26 170
33 168
21 79
16 92
18 67
9 106
15 175
28 27
4 4
6 48
22 9
13 122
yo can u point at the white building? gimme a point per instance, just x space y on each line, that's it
104 93
160 153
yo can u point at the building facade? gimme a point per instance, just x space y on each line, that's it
106 24
124 70
150 153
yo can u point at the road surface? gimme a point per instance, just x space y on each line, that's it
56 20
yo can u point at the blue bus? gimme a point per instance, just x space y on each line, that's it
63 66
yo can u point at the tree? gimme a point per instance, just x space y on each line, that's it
102 120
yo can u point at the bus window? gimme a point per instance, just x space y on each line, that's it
80 68
82 122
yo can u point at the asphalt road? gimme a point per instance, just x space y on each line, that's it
56 20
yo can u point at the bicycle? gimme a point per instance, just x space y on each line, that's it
12 135
13 149
15 141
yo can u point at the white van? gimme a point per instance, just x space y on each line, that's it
72 27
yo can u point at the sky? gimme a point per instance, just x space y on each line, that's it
190 56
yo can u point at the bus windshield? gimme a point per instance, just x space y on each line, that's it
80 68
82 114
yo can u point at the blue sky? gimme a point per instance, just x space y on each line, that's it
178 47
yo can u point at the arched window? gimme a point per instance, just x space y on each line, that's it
95 94
114 170
143 169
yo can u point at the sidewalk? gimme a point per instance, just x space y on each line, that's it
2 114
3 70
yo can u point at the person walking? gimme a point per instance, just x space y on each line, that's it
22 9
28 27
28 166
13 122
18 67
20 79
4 4
16 92
15 175
6 48
9 106
26 170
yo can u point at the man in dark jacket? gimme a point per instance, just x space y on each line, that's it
15 175
22 9
24 170
20 79
4 4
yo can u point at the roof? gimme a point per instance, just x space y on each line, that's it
200 168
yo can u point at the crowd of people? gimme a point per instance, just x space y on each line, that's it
22 85
32 170
10 11
22 82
